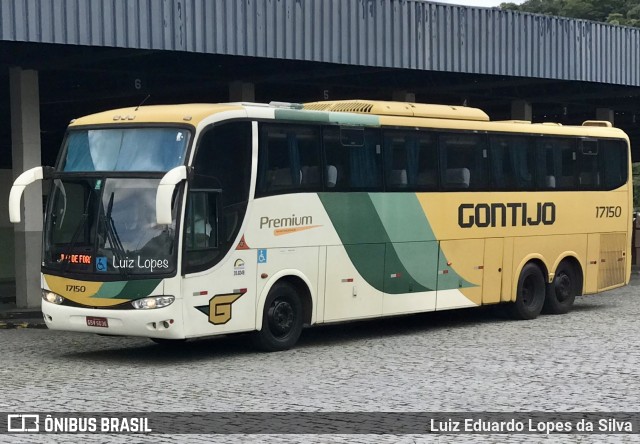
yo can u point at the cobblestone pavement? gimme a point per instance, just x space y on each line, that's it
468 360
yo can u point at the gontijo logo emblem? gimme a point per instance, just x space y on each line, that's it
219 308
288 225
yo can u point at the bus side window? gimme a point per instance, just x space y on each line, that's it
289 159
464 161
546 167
557 163
337 159
588 172
411 161
396 146
201 227
222 166
426 167
353 156
512 162
613 163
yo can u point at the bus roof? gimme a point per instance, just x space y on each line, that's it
365 112
191 113
458 117
405 109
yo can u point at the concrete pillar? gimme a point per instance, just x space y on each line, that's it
605 114
521 110
402 95
25 149
242 91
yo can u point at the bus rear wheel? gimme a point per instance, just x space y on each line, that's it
281 319
530 294
561 293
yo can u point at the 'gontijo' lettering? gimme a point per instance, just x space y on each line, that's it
516 214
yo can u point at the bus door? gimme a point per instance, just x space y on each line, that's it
219 291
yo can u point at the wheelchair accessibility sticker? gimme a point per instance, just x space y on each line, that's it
101 263
262 256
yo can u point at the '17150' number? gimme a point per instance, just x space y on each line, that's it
609 211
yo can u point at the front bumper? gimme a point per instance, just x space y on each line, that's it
163 322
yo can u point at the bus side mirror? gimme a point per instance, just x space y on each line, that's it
165 193
15 195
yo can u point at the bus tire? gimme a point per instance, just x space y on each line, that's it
561 293
281 319
530 293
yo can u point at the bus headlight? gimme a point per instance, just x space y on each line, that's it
152 302
52 297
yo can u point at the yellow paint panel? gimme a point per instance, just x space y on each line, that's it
566 213
593 263
492 276
507 271
80 292
465 257
190 114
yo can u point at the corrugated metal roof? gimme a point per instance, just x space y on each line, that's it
410 34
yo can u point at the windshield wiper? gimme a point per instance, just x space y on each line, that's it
114 238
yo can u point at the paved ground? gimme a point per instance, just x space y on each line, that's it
470 360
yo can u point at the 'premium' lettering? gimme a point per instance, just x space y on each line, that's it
283 222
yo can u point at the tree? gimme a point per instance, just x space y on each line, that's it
617 12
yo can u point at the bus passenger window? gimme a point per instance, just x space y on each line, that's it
557 163
337 159
357 167
512 162
396 145
426 174
588 173
411 161
464 161
613 164
289 159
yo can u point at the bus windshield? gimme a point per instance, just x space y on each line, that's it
124 149
107 226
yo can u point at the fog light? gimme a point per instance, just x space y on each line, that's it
52 297
152 302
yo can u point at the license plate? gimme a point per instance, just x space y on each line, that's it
97 322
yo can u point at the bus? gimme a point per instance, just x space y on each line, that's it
182 221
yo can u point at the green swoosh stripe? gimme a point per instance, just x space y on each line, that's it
389 241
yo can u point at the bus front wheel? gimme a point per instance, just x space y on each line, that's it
281 319
561 293
530 294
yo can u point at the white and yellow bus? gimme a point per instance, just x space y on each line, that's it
183 221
